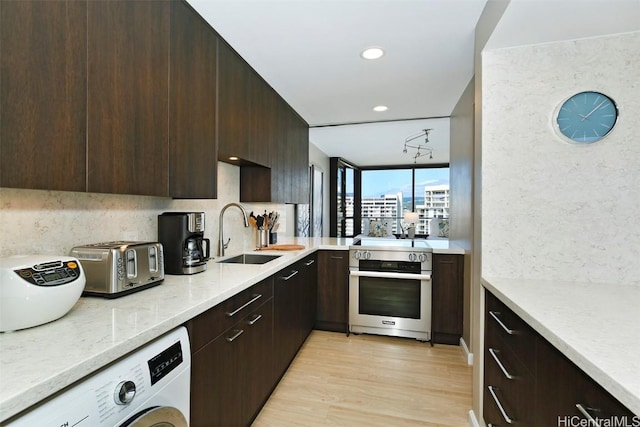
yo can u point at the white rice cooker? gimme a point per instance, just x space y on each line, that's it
36 289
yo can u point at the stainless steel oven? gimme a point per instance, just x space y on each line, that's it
390 289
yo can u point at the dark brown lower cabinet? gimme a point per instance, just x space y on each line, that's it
333 291
241 347
294 292
447 298
308 295
528 382
286 325
232 375
565 386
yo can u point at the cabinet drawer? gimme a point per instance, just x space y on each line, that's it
508 387
207 326
502 323
566 386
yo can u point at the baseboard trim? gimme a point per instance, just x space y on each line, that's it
473 421
467 353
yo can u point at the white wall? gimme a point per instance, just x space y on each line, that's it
550 209
321 160
462 172
52 222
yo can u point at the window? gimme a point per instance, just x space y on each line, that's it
359 196
387 194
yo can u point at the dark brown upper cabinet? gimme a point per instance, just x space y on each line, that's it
128 97
243 113
193 158
256 125
286 180
43 103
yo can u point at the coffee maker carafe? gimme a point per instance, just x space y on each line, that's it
186 251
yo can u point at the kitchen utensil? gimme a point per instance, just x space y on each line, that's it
118 268
186 250
37 289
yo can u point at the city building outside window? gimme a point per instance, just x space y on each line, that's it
387 194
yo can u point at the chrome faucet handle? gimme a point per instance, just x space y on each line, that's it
226 245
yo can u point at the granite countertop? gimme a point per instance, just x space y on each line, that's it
38 362
595 325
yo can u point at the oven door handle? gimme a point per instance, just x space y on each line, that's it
389 275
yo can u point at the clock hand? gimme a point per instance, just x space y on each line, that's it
592 111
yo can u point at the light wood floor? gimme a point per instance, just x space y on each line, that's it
367 380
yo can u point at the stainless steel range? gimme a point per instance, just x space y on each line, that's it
390 288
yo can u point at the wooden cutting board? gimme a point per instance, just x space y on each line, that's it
283 247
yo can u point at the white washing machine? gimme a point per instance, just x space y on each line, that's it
149 387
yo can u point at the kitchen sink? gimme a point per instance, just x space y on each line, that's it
250 259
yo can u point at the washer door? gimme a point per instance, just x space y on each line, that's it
158 416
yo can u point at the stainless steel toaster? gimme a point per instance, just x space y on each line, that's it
117 268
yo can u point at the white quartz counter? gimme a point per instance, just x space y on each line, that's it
38 362
597 326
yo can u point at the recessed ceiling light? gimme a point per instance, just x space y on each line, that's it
233 158
372 53
380 108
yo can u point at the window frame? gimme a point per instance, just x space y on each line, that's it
338 164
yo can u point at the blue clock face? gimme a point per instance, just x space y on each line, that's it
587 117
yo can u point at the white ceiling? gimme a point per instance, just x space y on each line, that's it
309 52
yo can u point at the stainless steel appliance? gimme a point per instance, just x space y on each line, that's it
186 251
36 289
149 387
118 268
390 288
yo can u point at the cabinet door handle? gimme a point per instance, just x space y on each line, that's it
310 262
494 353
492 391
255 298
255 319
336 257
584 410
495 315
293 273
237 333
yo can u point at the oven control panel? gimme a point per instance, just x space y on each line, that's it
424 258
361 254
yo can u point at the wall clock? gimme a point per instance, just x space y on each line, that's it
586 117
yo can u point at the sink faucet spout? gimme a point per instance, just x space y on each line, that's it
221 244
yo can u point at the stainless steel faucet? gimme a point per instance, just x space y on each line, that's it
221 244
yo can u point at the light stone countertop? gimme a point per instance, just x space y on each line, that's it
596 325
38 362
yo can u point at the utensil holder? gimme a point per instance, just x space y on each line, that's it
273 238
262 238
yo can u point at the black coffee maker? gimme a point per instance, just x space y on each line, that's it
186 251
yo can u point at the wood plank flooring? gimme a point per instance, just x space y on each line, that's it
368 380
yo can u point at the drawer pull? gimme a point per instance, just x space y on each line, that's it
584 410
336 257
495 315
255 298
494 353
310 262
255 319
492 391
293 273
237 333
